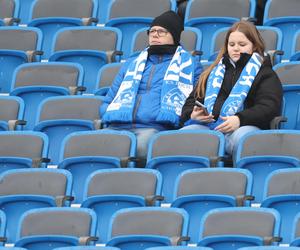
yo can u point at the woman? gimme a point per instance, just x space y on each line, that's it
240 90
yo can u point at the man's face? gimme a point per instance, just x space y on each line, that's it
159 36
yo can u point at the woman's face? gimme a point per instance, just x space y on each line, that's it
238 43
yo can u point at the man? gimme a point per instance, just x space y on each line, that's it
149 91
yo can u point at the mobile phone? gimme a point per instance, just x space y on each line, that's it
201 105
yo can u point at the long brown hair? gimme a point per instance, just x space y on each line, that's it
252 34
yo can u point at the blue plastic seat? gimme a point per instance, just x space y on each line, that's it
262 152
34 82
50 16
179 248
48 228
25 7
59 116
286 17
103 7
131 15
200 190
288 74
144 227
18 45
209 16
282 193
92 47
233 228
107 191
11 113
23 149
25 189
87 248
106 76
2 228
85 152
197 149
269 248
9 12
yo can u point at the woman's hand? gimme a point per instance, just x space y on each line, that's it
230 124
198 115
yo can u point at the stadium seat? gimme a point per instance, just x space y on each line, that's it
24 189
211 15
18 45
288 74
34 82
191 39
285 16
233 228
282 192
197 149
86 248
131 15
9 12
269 248
105 77
264 151
179 248
107 191
144 227
23 149
62 115
2 228
92 47
48 228
272 37
11 113
50 16
295 54
103 7
25 6
85 152
200 190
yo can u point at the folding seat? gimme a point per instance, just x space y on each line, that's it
140 228
295 239
285 16
103 7
86 248
50 16
85 152
34 82
191 40
24 189
92 47
282 192
25 7
200 190
11 113
2 228
12 248
18 45
211 15
172 152
233 228
295 50
48 228
23 149
9 12
262 152
107 191
269 248
131 15
272 37
288 74
106 76
62 115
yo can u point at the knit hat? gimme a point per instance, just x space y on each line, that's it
171 22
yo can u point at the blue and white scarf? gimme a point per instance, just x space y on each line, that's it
235 101
176 86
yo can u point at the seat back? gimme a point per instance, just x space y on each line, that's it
295 53
25 7
260 222
9 10
66 8
75 222
2 225
277 9
106 77
11 112
103 8
169 222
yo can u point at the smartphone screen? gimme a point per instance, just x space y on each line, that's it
200 105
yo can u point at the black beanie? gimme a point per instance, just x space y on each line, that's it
171 22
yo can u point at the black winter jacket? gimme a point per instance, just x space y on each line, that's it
264 99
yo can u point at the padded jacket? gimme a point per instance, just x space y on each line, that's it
147 103
262 103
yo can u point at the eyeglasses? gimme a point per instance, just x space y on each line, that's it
160 32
